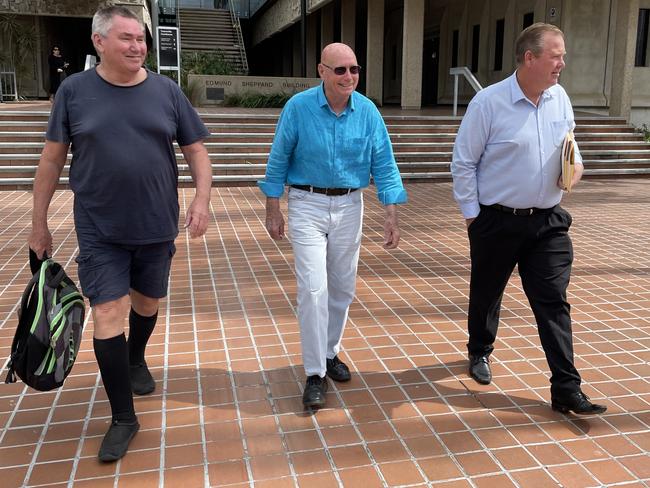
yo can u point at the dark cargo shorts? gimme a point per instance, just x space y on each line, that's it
107 270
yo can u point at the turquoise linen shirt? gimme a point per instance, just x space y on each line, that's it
508 150
313 146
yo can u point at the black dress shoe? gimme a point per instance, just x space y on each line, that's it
117 439
142 383
337 369
314 394
577 402
479 369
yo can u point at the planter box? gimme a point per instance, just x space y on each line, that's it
214 89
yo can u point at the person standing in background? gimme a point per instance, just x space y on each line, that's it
58 67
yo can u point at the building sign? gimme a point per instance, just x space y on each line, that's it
215 89
167 16
168 49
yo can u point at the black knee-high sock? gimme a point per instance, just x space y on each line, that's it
113 360
140 329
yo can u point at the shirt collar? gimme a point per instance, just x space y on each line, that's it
322 99
517 93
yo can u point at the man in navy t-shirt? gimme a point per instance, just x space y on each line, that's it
122 121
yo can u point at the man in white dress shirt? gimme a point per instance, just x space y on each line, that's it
507 181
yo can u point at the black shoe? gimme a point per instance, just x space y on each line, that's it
117 439
577 402
337 369
479 369
314 394
142 383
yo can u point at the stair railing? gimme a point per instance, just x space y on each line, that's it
240 37
471 79
8 85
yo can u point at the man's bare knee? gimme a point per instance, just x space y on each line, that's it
108 318
143 305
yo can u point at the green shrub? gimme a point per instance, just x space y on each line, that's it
257 100
645 130
197 63
21 39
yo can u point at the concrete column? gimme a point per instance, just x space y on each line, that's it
627 13
375 54
348 19
326 25
297 53
412 43
312 47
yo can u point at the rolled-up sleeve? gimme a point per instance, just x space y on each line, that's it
284 143
468 149
383 167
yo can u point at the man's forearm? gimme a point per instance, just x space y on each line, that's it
45 183
198 159
272 205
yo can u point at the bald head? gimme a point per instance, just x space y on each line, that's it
340 74
335 52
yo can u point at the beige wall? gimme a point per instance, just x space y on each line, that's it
586 24
641 83
69 8
279 16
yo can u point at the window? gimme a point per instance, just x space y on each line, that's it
529 19
476 35
498 45
454 49
641 56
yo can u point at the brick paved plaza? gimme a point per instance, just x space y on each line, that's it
226 355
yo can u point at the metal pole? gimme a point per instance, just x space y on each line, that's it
303 36
455 95
154 22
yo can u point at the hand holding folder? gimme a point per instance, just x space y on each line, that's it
568 161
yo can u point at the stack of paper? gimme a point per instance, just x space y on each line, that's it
568 161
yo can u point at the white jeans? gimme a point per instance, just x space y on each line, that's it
326 236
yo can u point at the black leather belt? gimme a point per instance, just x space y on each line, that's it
334 192
517 211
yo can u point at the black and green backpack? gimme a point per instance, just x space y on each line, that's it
50 322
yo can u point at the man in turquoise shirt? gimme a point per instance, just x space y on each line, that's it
328 142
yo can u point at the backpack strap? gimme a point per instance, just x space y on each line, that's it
29 289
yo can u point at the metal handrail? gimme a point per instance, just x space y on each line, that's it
471 79
10 78
240 37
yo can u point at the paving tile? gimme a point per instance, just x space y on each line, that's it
441 468
572 476
315 461
267 467
365 476
409 415
320 480
400 473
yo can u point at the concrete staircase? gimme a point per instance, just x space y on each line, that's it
239 145
212 30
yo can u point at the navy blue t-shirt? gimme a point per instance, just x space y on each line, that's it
123 172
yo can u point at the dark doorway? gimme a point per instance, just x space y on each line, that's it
430 62
72 36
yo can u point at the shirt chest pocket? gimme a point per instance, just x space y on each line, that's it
354 149
559 130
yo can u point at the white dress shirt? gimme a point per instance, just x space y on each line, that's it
508 151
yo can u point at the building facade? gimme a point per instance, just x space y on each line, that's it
30 28
407 47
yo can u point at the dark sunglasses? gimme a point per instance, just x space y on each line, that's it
340 70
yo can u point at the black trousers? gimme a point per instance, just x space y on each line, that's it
541 247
